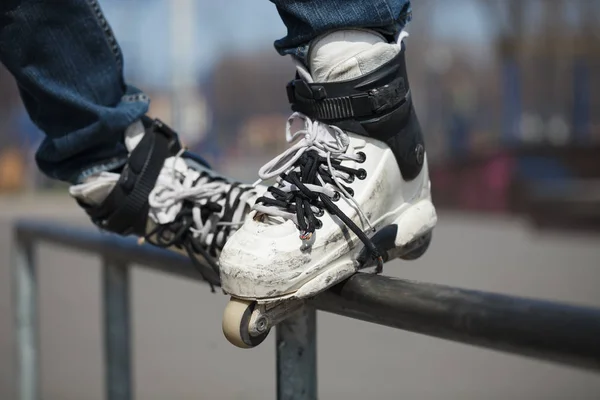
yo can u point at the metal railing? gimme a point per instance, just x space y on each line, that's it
544 330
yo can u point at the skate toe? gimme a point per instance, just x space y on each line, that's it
263 261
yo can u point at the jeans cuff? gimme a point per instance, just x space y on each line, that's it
390 32
105 166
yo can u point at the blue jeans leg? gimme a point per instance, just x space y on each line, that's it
306 19
69 70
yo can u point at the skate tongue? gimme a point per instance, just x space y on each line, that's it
271 220
322 133
133 135
95 189
348 54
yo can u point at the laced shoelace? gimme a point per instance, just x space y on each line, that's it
212 208
310 179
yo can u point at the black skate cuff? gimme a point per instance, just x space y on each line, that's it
368 96
125 210
377 105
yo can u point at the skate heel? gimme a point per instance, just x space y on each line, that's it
407 237
413 231
411 251
415 222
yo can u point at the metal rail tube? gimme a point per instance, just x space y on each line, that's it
116 248
25 305
117 331
562 333
545 330
296 343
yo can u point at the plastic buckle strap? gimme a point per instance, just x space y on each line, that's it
130 217
312 100
174 146
388 97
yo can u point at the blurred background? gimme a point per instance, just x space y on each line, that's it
506 92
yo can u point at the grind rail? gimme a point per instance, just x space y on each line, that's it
545 330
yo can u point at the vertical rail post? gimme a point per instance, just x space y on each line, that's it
25 314
117 334
297 356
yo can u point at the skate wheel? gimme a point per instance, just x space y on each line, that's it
236 321
419 251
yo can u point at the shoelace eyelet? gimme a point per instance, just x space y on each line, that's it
336 196
363 157
362 174
320 213
318 224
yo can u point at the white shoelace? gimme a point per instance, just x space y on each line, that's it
315 136
178 182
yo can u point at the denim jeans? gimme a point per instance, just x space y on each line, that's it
69 69
306 19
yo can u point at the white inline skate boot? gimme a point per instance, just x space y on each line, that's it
168 197
351 193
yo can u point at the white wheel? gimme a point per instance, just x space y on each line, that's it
236 321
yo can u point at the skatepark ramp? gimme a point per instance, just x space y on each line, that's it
551 331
